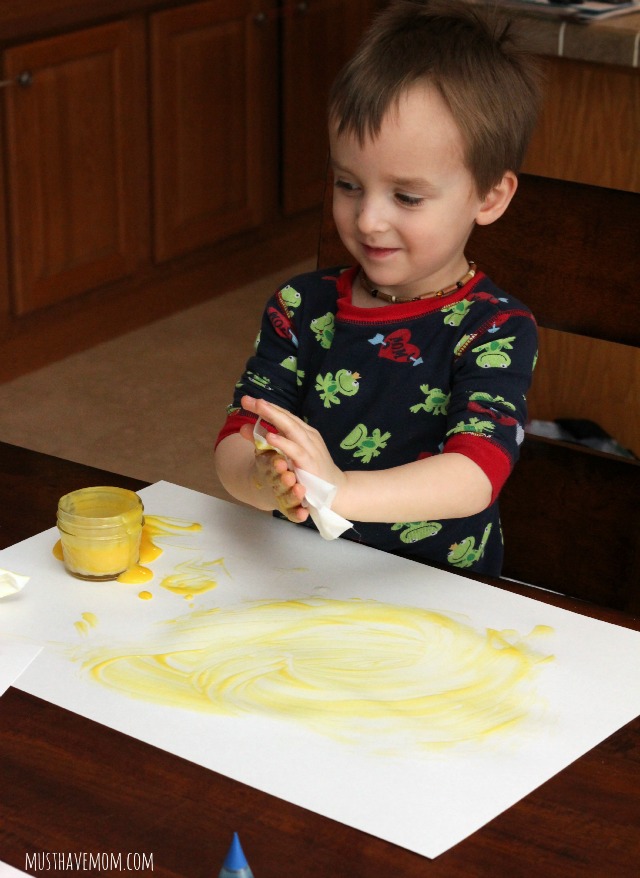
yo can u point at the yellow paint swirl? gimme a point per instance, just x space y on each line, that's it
359 671
192 577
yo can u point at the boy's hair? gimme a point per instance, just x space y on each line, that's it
490 86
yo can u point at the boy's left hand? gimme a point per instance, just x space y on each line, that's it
273 474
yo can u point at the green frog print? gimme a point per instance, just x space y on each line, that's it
291 363
365 445
330 388
473 425
436 401
455 313
291 297
465 553
324 329
413 531
492 354
481 396
258 380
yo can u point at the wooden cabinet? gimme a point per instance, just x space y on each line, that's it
82 200
5 298
146 139
239 90
214 96
318 37
77 162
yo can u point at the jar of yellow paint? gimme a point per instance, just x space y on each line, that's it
100 530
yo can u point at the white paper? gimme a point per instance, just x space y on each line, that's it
7 871
425 800
16 654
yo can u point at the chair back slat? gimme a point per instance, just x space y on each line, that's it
571 523
571 252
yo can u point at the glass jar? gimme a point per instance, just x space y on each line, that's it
100 530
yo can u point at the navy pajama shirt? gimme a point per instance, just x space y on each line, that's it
389 385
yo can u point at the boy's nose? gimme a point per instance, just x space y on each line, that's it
371 216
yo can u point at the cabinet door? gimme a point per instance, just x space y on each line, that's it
208 67
319 36
77 160
6 300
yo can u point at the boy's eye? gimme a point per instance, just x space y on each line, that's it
346 186
409 200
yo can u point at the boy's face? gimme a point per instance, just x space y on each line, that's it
404 203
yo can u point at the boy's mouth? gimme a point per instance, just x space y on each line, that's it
378 252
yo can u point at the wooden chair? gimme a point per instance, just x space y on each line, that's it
571 515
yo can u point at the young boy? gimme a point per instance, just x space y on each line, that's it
402 380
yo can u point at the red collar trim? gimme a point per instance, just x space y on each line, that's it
392 313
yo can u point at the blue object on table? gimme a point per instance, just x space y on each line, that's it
235 864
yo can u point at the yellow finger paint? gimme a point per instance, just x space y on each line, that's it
136 575
100 530
148 550
145 595
363 672
157 527
85 623
192 577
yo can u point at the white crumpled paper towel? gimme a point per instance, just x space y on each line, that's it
10 583
319 494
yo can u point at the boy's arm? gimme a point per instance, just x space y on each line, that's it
444 486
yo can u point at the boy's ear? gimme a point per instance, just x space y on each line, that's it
497 199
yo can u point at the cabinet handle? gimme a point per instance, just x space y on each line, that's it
285 11
24 80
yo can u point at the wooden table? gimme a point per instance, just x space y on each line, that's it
56 798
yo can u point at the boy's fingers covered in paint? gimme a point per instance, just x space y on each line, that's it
272 473
302 444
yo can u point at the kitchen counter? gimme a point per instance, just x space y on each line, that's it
613 41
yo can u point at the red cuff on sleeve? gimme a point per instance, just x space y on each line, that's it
235 421
491 458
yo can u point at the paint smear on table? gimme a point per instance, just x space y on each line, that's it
379 675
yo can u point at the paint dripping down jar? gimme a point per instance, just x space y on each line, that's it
100 530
